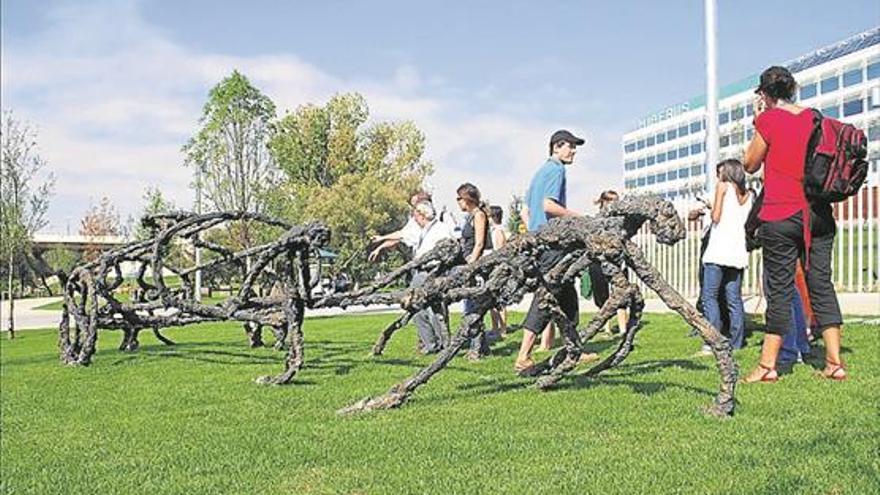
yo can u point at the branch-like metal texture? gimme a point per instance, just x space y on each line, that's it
502 277
92 301
513 271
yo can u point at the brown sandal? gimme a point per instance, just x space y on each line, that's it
769 376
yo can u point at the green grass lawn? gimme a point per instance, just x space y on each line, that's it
189 419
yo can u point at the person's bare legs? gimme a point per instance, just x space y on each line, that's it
548 336
833 361
524 358
766 369
622 319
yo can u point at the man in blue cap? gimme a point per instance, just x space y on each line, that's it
545 200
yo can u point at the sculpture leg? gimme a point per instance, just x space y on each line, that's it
637 305
294 361
280 333
402 391
90 332
567 358
254 332
130 342
724 401
386 334
165 340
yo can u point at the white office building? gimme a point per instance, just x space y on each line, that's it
665 154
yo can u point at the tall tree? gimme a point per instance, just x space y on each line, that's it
23 202
355 177
234 168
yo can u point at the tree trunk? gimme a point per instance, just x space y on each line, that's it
11 297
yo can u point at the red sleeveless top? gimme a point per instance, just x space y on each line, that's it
786 135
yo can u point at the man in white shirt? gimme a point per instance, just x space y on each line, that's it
431 231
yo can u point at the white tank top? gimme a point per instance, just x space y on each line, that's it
727 242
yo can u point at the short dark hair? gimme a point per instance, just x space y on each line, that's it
777 83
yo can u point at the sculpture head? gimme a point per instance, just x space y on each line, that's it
318 234
665 223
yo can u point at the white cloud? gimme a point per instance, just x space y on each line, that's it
114 99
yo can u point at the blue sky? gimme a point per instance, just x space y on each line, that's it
115 88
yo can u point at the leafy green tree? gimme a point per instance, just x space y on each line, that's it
229 151
23 203
355 177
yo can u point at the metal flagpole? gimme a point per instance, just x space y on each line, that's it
711 96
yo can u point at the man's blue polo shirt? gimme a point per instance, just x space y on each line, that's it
548 182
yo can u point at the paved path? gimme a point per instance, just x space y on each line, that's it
26 317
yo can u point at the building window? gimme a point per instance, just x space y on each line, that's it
641 181
853 107
852 77
696 170
874 70
696 148
651 179
736 137
661 177
661 158
683 131
631 165
874 131
641 163
672 175
683 152
750 132
737 113
829 84
661 138
695 127
629 147
649 141
671 155
723 118
725 140
650 160
670 134
684 172
640 144
808 91
831 111
749 111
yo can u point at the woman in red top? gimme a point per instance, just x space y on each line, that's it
792 228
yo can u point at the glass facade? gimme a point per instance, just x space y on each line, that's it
873 70
807 91
852 77
852 107
829 84
831 111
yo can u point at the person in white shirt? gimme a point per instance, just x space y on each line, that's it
408 235
431 231
726 256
